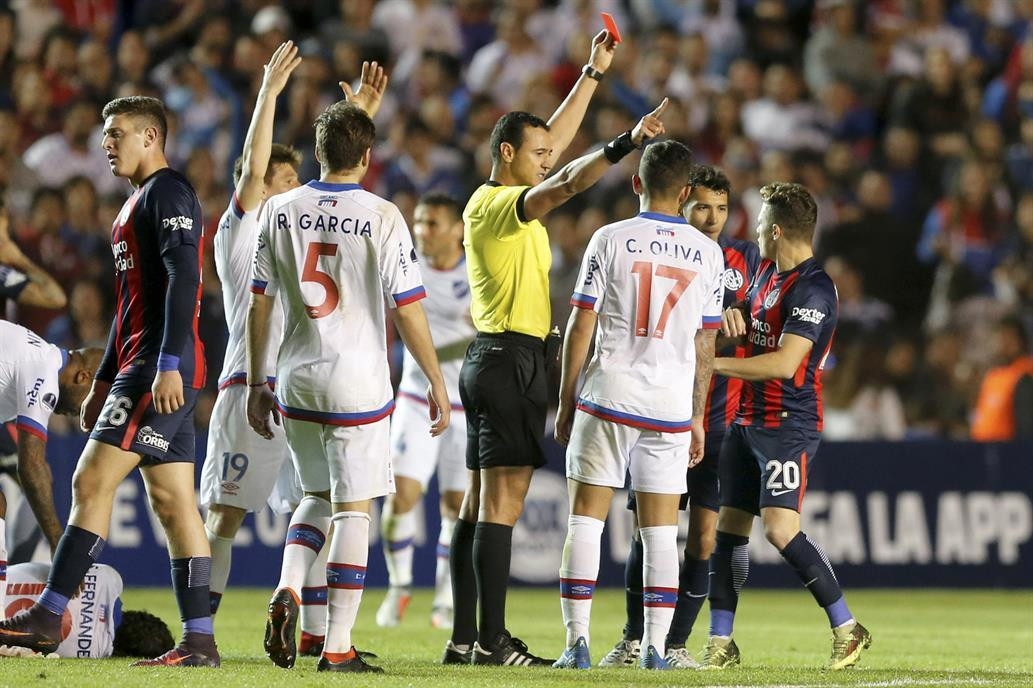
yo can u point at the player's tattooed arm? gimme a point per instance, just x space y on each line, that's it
705 345
259 141
372 85
565 122
42 289
576 343
780 364
37 482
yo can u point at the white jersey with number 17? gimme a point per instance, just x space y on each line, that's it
335 254
654 280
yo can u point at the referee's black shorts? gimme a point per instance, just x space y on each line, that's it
504 388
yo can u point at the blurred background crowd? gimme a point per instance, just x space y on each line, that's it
910 120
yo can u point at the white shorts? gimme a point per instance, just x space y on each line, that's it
602 453
242 469
416 454
352 462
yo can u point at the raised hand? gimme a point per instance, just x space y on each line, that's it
372 85
650 125
285 60
603 48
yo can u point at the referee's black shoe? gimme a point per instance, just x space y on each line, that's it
507 651
453 655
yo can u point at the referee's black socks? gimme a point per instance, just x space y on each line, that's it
492 549
464 584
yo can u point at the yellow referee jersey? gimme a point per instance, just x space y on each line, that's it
508 261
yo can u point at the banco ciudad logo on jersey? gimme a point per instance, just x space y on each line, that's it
733 279
771 299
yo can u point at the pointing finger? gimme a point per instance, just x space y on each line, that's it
660 108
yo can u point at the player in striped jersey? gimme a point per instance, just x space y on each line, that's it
653 282
707 210
140 409
788 321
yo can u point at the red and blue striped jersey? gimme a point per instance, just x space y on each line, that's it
742 258
157 244
801 301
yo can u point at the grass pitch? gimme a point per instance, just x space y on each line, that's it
921 638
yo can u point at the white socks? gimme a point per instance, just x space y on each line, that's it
306 536
659 584
222 558
442 573
313 596
578 572
345 577
397 532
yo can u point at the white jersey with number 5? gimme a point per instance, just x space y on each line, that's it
654 280
335 254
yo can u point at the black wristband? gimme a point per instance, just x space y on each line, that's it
622 145
592 73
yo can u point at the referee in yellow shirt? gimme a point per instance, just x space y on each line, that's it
503 383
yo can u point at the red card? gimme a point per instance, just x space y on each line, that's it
611 27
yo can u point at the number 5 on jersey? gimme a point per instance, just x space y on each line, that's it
644 269
312 273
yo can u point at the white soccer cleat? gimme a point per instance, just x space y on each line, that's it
392 609
624 654
441 617
680 658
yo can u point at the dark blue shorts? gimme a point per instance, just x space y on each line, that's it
130 422
763 467
701 480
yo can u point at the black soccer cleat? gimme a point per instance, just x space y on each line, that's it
280 645
195 650
453 655
507 651
354 665
36 629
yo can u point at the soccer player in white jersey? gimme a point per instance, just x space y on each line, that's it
337 257
38 379
653 284
94 625
438 229
242 472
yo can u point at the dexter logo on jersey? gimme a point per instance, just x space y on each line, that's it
178 222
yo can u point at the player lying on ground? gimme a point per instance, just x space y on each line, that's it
36 380
140 409
706 210
788 320
334 254
438 230
94 625
653 283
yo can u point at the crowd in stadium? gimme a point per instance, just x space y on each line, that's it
911 121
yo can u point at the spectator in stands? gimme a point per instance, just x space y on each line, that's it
56 158
500 68
1004 409
838 52
96 70
783 119
860 401
934 106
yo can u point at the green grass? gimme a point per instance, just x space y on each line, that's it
920 638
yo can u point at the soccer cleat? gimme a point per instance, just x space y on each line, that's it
392 609
310 645
625 653
651 659
681 658
847 645
453 655
195 650
355 664
441 617
36 629
575 657
280 625
721 653
509 651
